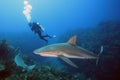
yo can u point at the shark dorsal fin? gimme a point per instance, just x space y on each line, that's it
73 40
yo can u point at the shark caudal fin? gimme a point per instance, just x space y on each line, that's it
97 60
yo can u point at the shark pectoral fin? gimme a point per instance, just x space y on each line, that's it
68 61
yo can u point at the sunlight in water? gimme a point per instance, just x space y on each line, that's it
27 10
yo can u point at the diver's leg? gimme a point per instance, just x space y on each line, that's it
49 36
42 37
40 34
46 35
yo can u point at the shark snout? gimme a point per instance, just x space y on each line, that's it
36 52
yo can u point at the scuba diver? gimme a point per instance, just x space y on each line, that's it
38 29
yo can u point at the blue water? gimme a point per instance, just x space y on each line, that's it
56 16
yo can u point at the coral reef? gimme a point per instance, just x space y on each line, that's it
46 73
7 53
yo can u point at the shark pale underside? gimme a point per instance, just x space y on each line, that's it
65 51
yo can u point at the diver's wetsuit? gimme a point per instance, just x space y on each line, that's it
37 29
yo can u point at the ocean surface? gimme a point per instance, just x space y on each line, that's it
96 23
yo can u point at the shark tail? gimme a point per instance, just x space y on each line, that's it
97 60
31 67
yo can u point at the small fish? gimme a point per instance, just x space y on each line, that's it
65 51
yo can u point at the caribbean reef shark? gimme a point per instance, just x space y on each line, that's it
66 50
20 62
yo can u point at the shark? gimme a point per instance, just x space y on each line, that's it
67 50
20 62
